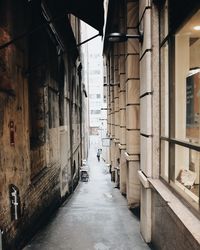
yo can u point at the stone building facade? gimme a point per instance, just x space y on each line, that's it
41 95
153 122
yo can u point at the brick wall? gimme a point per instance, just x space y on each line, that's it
30 156
37 204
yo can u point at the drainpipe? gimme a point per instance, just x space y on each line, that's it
1 232
80 112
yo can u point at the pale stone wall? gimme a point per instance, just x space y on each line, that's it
116 93
132 106
122 118
164 219
146 99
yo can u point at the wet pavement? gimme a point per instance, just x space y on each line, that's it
96 217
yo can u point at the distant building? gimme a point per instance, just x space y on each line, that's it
94 76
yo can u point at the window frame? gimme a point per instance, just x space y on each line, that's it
171 139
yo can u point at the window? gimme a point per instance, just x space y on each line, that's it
187 81
95 96
187 106
94 72
180 106
164 109
61 93
95 112
164 88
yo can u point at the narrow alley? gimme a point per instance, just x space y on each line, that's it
120 78
96 217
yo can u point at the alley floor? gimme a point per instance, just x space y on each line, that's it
96 217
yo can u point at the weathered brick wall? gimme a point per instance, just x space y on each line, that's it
35 172
37 203
14 139
31 158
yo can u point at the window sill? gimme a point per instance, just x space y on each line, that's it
131 157
185 191
143 179
187 218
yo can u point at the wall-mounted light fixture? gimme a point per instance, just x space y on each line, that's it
121 37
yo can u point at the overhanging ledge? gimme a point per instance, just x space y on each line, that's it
89 11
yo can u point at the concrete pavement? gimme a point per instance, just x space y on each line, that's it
96 217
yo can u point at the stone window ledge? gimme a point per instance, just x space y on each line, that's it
143 179
116 140
122 146
181 212
130 157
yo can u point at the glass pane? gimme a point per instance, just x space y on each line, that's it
164 91
187 162
164 159
164 20
187 81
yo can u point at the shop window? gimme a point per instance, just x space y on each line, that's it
180 106
187 106
187 81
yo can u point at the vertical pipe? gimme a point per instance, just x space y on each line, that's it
1 239
80 114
